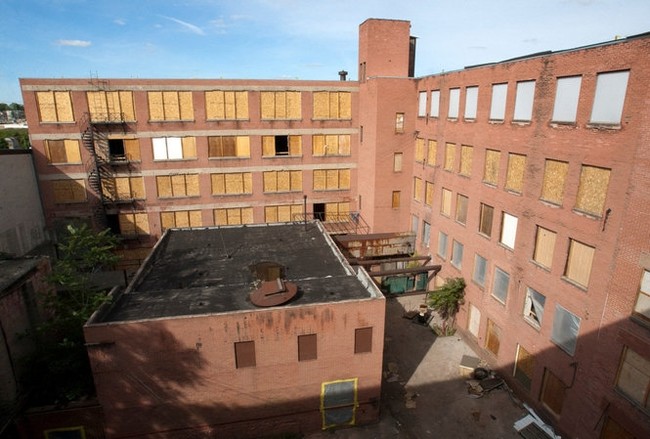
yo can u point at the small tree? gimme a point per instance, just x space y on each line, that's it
446 301
59 369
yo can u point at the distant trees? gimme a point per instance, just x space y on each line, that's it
19 134
13 107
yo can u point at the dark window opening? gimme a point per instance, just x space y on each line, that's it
281 145
319 211
116 149
113 223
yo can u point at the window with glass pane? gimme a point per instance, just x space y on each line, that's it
461 208
500 285
534 307
498 104
634 378
457 254
471 102
480 268
426 233
567 95
610 96
454 100
524 100
642 306
508 230
442 245
422 104
434 111
566 326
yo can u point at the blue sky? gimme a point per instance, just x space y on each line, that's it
277 39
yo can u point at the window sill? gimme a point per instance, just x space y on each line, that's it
604 126
470 120
65 164
452 119
180 197
521 123
228 120
280 192
574 283
483 235
53 122
239 194
172 120
640 320
229 158
585 214
555 124
329 155
163 160
498 300
550 203
536 326
488 184
332 190
281 156
502 245
496 121
537 264
513 192
299 119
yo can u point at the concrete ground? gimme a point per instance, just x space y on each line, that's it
423 392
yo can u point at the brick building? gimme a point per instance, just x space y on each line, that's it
528 177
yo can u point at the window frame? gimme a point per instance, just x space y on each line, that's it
560 337
567 99
457 250
479 273
534 314
498 102
500 285
508 235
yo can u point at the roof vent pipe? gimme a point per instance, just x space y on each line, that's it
343 75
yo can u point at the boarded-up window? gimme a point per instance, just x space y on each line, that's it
428 193
642 306
524 100
480 268
330 145
331 179
232 183
485 220
500 285
432 153
362 340
566 327
454 101
62 151
69 191
282 214
553 185
610 96
592 190
244 354
54 106
419 150
123 188
508 230
281 104
567 95
498 104
307 347
274 146
399 122
474 320
442 244
181 218
332 105
614 430
491 170
524 367
133 224
534 307
417 188
111 106
445 202
233 216
229 147
461 208
173 148
515 174
457 250
578 266
170 105
450 156
397 162
471 102
492 337
226 105
395 201
422 104
179 185
544 247
339 403
634 378
553 392
282 181
434 111
466 155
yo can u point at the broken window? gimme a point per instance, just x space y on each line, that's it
578 266
233 216
362 340
273 146
642 306
180 218
229 147
461 208
471 102
111 106
307 347
567 95
515 173
466 155
493 335
54 106
534 307
244 354
62 151
500 285
610 97
524 101
170 105
553 392
544 247
524 367
434 111
634 378
498 104
450 157
592 190
65 433
232 183
454 100
178 185
566 326
508 230
124 149
226 105
485 220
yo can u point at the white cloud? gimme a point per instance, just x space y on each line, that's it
189 26
73 43
119 22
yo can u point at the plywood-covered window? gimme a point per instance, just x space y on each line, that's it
457 249
417 188
330 145
434 110
181 218
634 378
282 181
233 216
362 340
611 88
120 149
566 327
62 151
492 338
426 233
524 367
133 224
500 285
244 354
534 307
69 191
419 150
307 347
480 269
428 193
229 147
399 123
442 244
544 247
592 190
226 105
124 188
498 103
466 158
281 146
471 102
331 179
486 216
432 152
178 185
397 162
579 260
508 230
445 202
282 214
232 183
450 156
567 95
524 99
170 105
54 106
642 306
395 199
553 392
515 172
461 208
174 148
454 101
111 106
332 105
491 168
422 104
555 173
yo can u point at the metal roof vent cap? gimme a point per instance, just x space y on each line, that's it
272 288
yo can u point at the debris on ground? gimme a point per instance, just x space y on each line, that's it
409 399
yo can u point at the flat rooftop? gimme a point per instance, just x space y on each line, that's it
13 270
205 271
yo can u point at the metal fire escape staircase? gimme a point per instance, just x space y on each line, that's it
340 224
100 172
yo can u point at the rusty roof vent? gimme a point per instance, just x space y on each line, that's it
273 293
